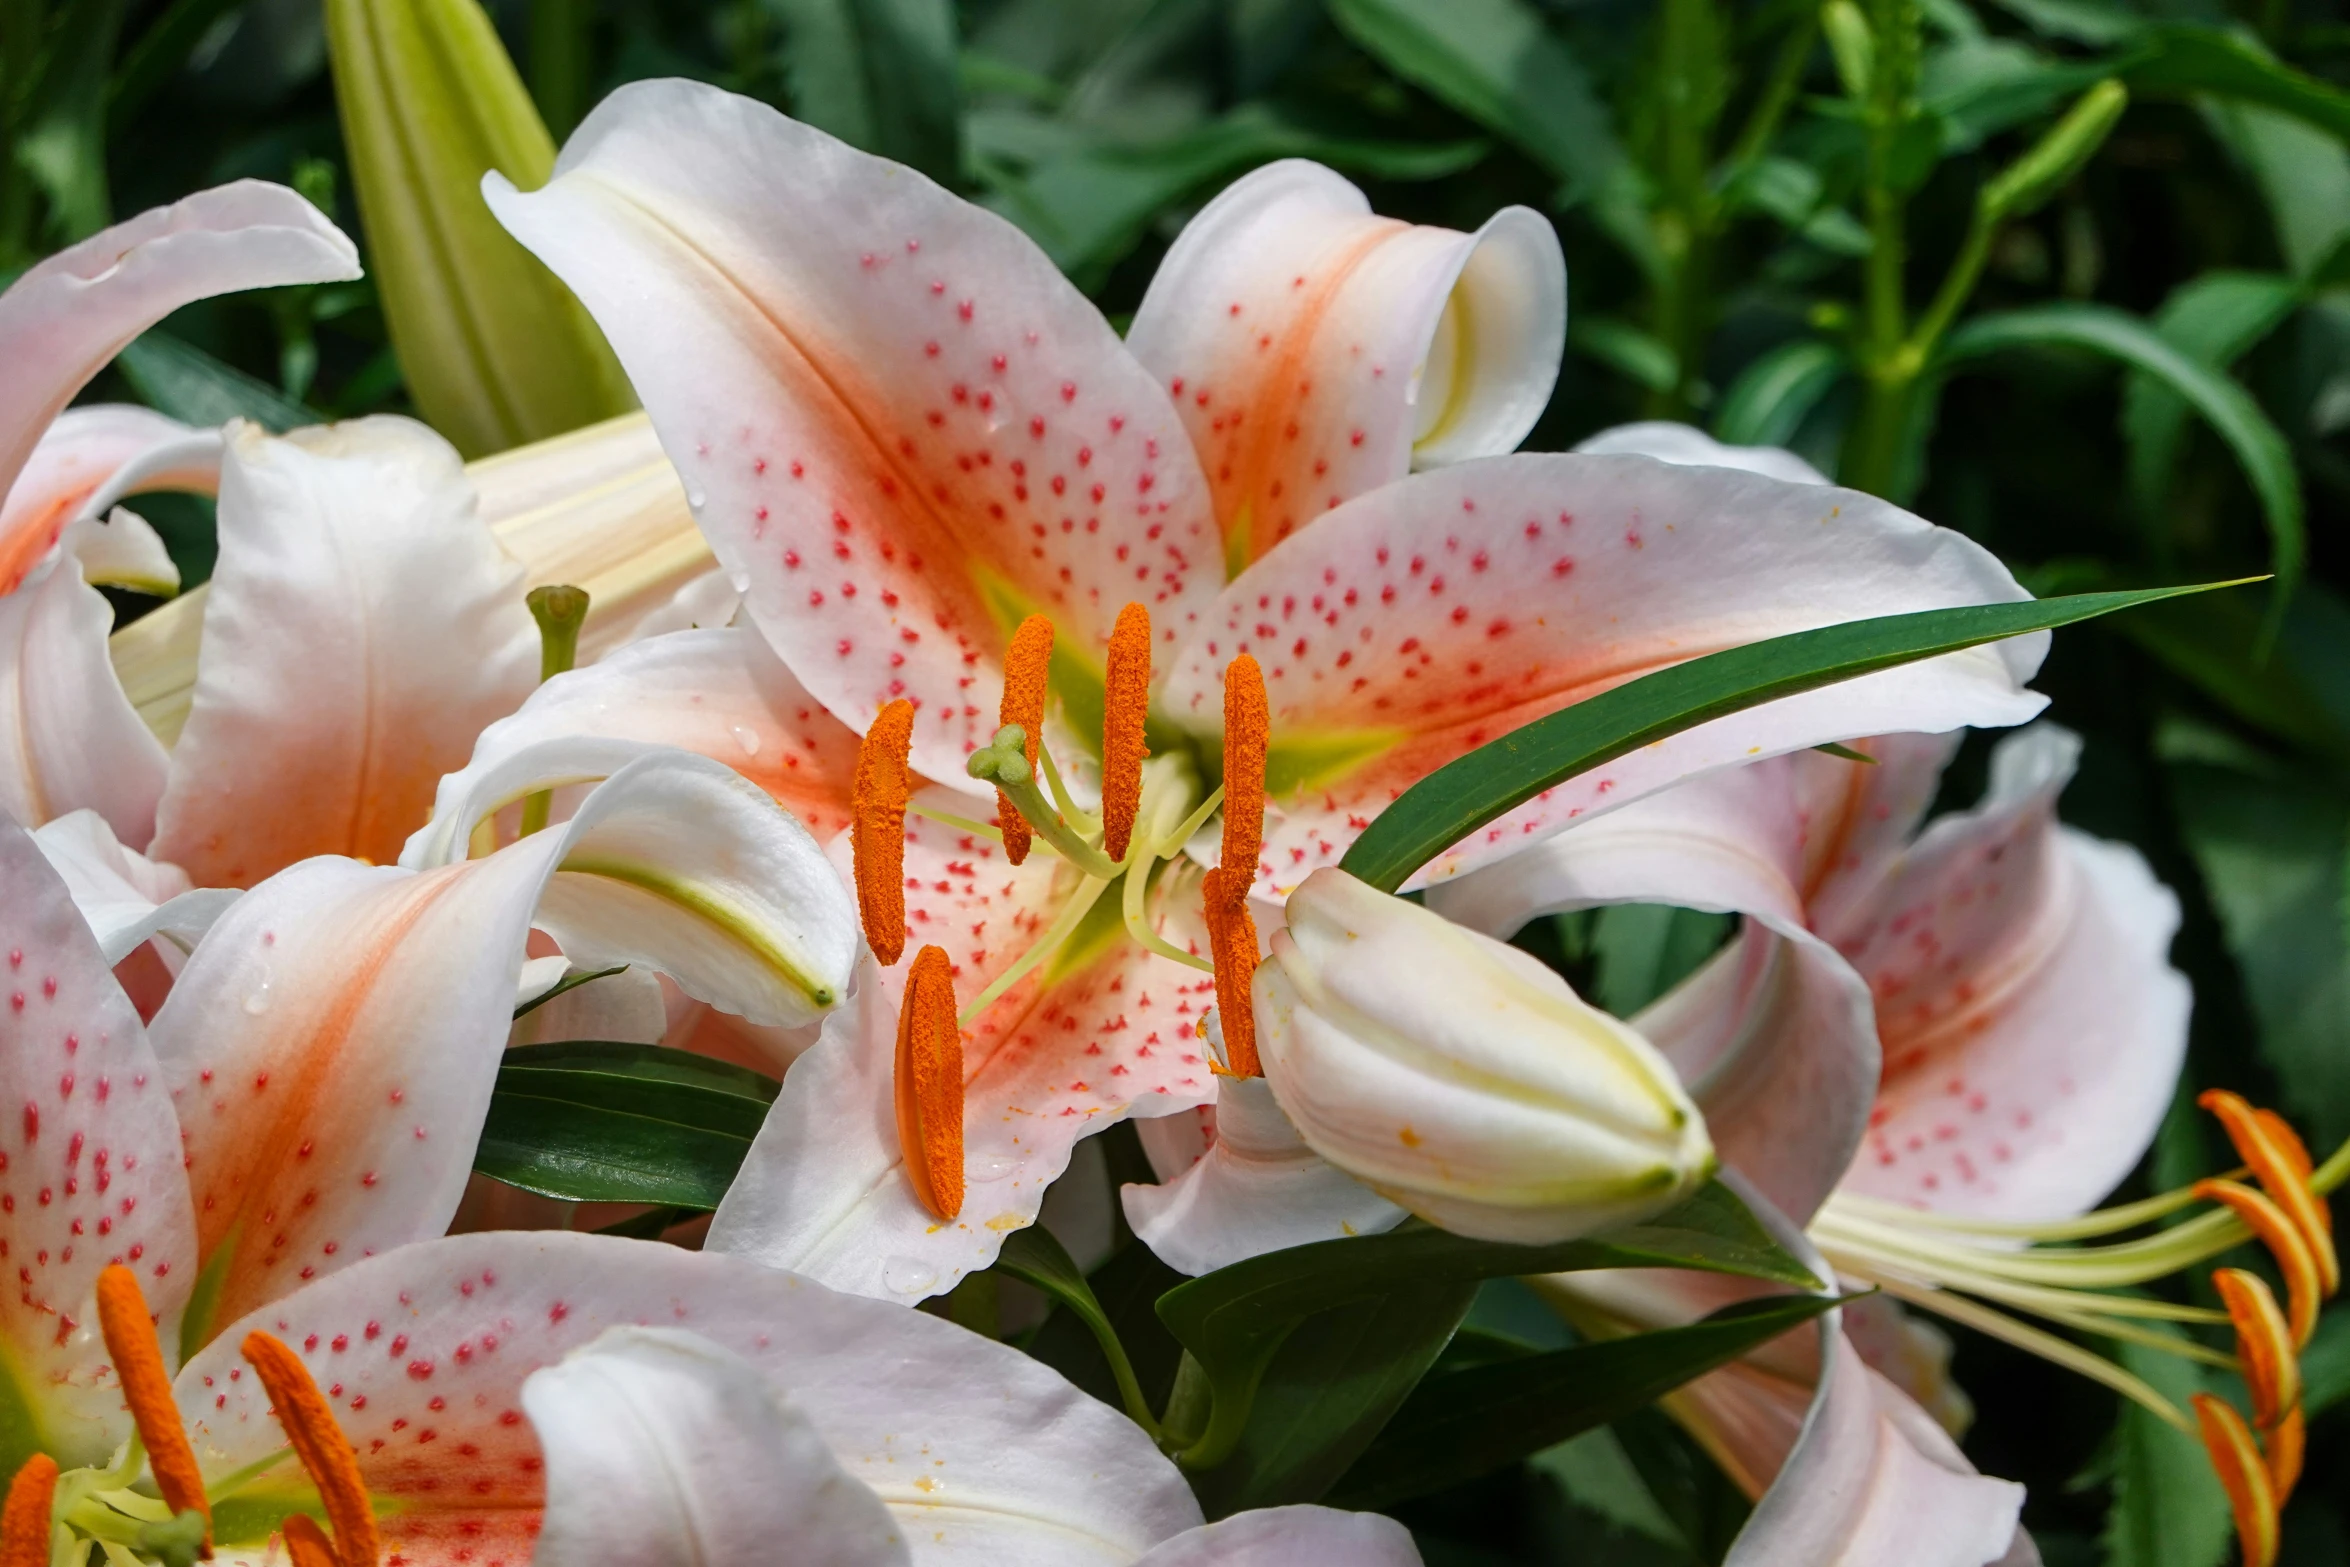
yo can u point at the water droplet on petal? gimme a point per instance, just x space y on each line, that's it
748 738
908 1275
740 581
258 1002
696 499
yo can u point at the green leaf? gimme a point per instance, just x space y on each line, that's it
497 351
601 1121
1772 397
1466 1423
2093 22
2271 843
1466 793
2213 319
2187 59
1332 1387
1980 87
2298 690
174 376
62 142
1127 1287
160 52
1645 949
1639 357
2230 410
2325 1365
571 981
879 74
1036 1257
2304 179
2168 1508
1234 1321
1498 63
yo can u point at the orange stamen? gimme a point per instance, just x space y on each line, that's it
877 836
1126 700
1232 941
2285 1242
138 1370
1028 667
2282 1164
1248 726
325 1452
2263 1343
306 1543
24 1523
2244 1474
2286 1446
930 1084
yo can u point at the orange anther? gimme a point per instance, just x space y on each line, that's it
1028 668
306 1543
2282 1165
24 1524
1248 727
1126 700
2244 1473
1232 941
930 1084
2263 1343
325 1452
877 835
146 1387
2286 1446
2285 1242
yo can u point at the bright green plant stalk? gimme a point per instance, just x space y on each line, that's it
496 351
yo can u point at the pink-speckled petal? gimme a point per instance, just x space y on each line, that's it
1667 441
424 1353
362 627
1068 1051
71 313
2033 1026
69 738
1316 350
1442 611
901 427
89 1164
78 457
333 1041
723 694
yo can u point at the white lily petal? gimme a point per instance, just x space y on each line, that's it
626 1006
665 1450
360 629
540 975
1287 1536
188 462
71 313
123 551
1692 447
1259 1188
76 471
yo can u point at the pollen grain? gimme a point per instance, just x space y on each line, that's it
877 842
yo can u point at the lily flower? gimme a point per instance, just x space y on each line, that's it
68 315
577 1400
360 629
332 1040
907 437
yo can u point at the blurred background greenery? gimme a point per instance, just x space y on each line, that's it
2070 275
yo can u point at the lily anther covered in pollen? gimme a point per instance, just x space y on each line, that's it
48 1511
1954 1265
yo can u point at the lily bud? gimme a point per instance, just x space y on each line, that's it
496 351
1461 1079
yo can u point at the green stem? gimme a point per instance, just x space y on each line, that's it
1778 94
559 62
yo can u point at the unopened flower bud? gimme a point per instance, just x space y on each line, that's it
1461 1079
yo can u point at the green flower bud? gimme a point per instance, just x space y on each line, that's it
2070 143
496 351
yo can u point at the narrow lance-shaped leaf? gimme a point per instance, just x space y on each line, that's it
496 351
1467 793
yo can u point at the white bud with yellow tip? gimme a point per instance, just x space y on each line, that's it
1461 1079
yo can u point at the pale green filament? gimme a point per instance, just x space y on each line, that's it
1064 926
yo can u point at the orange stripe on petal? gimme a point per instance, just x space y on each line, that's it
1028 667
2284 1241
306 1543
1248 727
1126 698
2282 1164
2244 1473
146 1387
1232 940
878 836
325 1452
24 1523
930 1084
2272 1371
